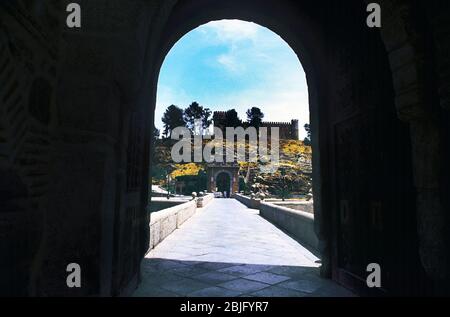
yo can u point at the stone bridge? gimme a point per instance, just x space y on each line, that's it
227 249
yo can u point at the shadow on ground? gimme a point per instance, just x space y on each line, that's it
175 278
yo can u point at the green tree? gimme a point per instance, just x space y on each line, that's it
196 112
172 118
232 119
155 137
255 117
156 134
283 186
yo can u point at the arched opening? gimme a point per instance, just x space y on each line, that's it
379 182
176 30
223 182
232 73
278 74
343 122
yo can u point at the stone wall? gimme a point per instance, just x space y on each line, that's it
247 201
164 222
287 130
298 223
205 200
305 206
163 203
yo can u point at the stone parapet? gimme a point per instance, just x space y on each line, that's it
164 222
299 224
247 201
205 200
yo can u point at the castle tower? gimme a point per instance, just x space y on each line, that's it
294 129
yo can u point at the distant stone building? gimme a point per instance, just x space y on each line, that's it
223 177
288 130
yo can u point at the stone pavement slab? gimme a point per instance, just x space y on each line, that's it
228 250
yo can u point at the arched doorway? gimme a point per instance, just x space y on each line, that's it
223 183
230 170
343 123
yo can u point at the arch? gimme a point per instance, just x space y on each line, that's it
229 181
310 49
340 110
217 173
214 170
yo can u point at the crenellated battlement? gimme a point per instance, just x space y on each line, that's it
288 130
219 114
275 123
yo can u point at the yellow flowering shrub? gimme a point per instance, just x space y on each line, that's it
189 169
294 147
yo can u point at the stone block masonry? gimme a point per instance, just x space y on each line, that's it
164 222
299 224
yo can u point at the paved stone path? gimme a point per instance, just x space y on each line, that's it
228 250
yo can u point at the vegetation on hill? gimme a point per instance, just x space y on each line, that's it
292 174
292 177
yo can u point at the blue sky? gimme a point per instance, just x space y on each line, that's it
234 64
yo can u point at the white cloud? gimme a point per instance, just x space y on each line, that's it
233 33
230 63
261 68
232 30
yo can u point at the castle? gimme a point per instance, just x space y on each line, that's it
288 130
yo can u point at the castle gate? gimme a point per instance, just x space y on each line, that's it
217 169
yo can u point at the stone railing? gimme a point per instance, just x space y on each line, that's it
296 218
166 221
299 224
306 206
247 201
204 200
162 203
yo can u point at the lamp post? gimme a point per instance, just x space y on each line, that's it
168 185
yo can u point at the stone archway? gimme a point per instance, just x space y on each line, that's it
349 60
231 170
339 130
98 140
223 181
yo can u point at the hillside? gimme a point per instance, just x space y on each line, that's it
293 176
